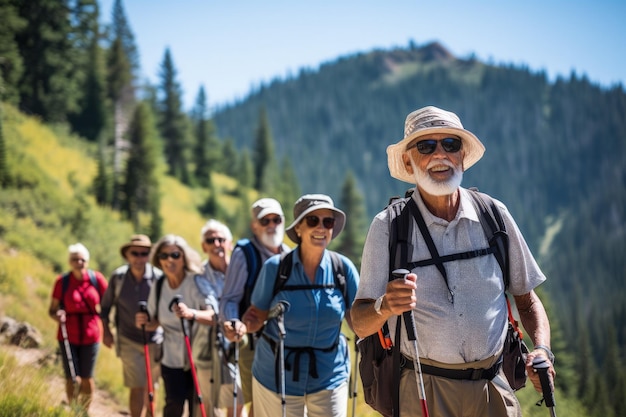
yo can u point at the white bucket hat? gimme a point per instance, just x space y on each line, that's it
311 202
427 121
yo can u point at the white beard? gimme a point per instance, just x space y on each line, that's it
434 187
273 240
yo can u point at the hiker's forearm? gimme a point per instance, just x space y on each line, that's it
534 318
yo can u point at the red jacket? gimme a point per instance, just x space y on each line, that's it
81 303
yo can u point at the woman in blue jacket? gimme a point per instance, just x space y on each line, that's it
316 365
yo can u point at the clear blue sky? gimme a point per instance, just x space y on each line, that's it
230 46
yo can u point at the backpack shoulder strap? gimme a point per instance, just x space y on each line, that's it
65 283
400 246
495 230
159 288
253 264
253 259
284 270
339 274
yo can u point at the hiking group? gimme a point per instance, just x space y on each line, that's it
260 324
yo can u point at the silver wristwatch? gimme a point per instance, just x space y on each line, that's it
378 304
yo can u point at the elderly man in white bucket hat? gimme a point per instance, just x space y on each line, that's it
455 288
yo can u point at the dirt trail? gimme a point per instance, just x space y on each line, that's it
103 405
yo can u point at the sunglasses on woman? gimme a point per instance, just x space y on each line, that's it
313 221
164 255
265 221
428 146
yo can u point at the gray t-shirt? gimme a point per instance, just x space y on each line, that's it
124 294
174 349
473 327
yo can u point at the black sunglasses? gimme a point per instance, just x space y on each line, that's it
265 221
428 146
139 254
164 255
313 221
212 240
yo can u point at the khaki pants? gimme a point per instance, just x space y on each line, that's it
246 357
325 403
451 397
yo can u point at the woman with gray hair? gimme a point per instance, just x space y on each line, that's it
182 294
75 305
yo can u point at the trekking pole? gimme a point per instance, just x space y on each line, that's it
356 376
68 354
278 312
541 366
411 331
143 307
236 376
177 299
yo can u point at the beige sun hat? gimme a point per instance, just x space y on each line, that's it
311 202
427 121
142 241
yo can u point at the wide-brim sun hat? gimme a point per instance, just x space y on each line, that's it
141 241
427 121
309 203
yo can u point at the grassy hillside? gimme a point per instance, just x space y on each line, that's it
48 206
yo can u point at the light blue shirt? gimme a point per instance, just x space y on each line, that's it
312 320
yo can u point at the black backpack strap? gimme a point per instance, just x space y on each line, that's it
253 264
284 270
159 287
400 246
339 275
434 253
65 283
495 230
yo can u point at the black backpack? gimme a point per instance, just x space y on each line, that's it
253 264
380 366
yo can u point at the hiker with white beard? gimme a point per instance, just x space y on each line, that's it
454 292
268 229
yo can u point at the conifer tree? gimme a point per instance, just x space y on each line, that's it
230 162
91 118
122 69
102 186
11 64
207 148
155 230
49 83
245 170
141 183
289 188
172 120
122 31
265 170
353 236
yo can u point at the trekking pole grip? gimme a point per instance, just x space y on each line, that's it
407 315
541 365
143 308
